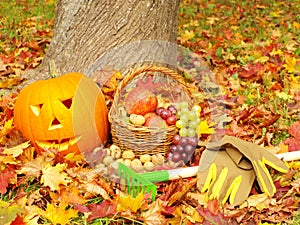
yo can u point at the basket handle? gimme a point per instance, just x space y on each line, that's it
149 68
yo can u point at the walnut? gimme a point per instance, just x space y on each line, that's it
136 165
158 159
128 154
145 158
149 166
115 151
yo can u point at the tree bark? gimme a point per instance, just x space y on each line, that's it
86 29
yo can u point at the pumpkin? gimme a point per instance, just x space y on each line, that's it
67 113
140 101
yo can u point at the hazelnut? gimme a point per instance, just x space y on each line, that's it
137 119
128 154
158 159
149 166
145 158
136 165
115 151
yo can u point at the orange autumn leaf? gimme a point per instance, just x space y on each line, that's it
54 176
70 194
153 215
59 215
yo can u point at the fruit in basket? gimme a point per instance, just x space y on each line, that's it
171 120
136 119
140 101
153 120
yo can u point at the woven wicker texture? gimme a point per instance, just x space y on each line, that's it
142 139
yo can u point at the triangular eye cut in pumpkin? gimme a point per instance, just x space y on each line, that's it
67 103
36 109
55 124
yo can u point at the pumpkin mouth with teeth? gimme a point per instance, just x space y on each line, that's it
60 145
66 113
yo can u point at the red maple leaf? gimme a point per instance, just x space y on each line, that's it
294 141
104 209
294 130
5 176
148 84
18 221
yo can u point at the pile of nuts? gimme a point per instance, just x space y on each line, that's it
143 163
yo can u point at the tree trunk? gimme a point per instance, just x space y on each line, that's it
86 29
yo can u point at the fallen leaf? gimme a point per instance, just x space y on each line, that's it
153 215
59 215
179 194
128 202
53 176
6 176
204 128
17 150
94 211
8 213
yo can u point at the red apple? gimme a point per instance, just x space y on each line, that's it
140 101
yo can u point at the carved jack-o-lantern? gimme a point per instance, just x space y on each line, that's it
68 113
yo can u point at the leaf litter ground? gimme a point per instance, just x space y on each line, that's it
253 49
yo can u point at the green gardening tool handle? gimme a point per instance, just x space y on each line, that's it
165 175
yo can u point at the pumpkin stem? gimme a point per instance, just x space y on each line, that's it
52 69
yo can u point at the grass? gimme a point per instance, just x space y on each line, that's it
22 21
252 29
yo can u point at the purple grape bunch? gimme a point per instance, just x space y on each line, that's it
182 148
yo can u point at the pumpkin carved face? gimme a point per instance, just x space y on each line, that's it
67 113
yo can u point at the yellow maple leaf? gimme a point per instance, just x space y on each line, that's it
53 176
8 127
188 35
204 128
59 215
17 150
290 64
128 202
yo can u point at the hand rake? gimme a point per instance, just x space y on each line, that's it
137 183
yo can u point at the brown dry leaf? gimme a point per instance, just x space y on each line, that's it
93 188
153 215
179 194
200 198
258 201
33 167
54 176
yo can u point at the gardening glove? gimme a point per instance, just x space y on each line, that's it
223 178
259 158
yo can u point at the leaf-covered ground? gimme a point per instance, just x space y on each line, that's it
253 49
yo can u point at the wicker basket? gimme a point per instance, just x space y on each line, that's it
142 139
